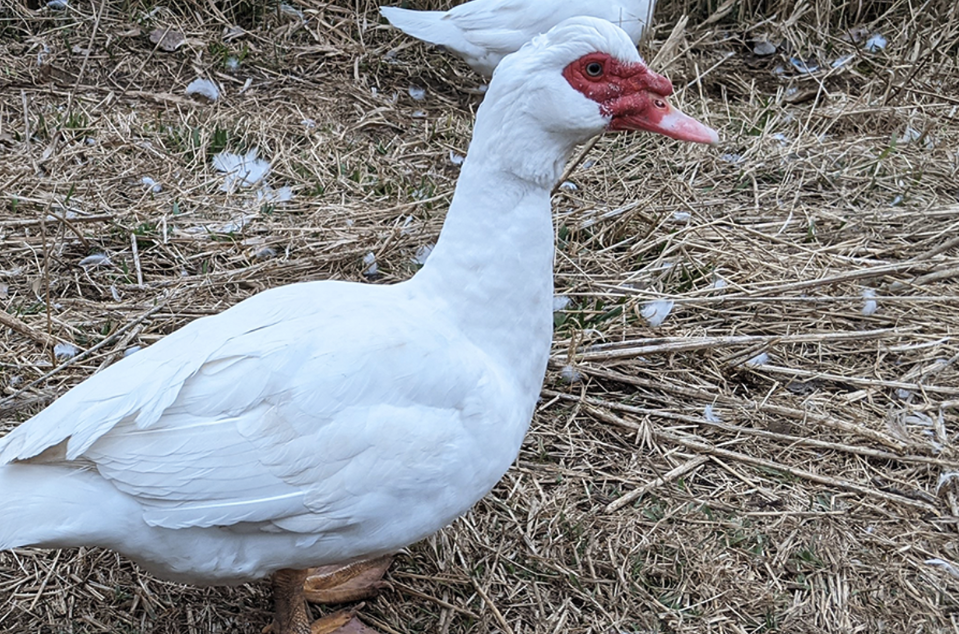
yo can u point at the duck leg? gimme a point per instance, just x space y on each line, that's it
290 610
289 604
342 584
291 616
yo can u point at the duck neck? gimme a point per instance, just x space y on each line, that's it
492 266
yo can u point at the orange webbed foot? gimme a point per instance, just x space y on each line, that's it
343 584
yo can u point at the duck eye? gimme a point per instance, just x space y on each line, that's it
659 103
594 69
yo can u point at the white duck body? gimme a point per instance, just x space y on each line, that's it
483 32
322 422
325 422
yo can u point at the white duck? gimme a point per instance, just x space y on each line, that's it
330 422
483 32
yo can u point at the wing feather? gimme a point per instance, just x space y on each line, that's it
258 416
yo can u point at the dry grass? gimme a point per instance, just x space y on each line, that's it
811 504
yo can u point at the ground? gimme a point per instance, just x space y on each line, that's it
779 454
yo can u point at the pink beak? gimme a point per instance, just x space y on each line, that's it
668 122
682 127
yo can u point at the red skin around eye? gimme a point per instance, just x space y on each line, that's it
622 88
633 97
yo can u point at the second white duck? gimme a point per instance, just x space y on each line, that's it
483 32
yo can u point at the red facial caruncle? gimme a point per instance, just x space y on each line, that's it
634 97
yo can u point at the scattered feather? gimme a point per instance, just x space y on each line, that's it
730 157
241 171
131 350
946 478
945 565
58 5
569 374
876 43
910 135
803 66
870 306
417 93
291 11
94 261
61 215
804 388
656 312
65 351
266 194
681 216
4 290
764 48
760 359
569 186
561 302
308 123
203 88
710 415
904 394
918 419
265 253
167 39
456 159
419 114
232 63
154 186
233 226
422 254
719 284
842 61
369 261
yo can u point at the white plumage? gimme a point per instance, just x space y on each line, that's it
326 422
286 430
483 32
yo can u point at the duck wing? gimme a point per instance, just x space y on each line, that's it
308 407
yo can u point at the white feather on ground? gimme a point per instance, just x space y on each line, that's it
95 260
656 312
870 306
241 170
758 360
711 415
203 88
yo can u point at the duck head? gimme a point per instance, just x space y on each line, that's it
584 77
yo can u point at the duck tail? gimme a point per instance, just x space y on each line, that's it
428 26
56 507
